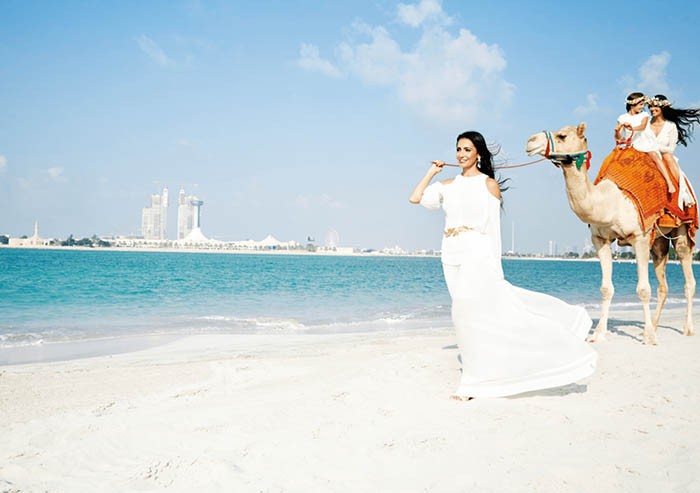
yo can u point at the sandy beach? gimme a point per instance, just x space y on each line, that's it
351 412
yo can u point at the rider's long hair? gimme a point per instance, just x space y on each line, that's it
485 165
684 119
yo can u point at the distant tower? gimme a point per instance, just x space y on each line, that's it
181 214
164 215
148 222
332 239
154 218
195 235
185 214
196 210
512 239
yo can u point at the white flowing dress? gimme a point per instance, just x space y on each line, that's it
667 141
511 340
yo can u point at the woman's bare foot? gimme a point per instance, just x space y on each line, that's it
460 398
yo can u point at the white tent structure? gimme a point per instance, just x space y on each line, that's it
196 236
270 242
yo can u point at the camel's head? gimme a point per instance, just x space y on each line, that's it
563 146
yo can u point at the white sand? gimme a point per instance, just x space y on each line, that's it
366 412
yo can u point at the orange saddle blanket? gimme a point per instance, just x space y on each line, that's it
637 176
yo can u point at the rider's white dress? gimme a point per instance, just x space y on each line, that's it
511 340
667 141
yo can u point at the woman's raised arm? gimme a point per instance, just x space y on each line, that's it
417 193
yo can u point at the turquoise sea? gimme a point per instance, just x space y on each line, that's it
59 295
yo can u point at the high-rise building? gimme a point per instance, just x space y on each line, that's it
188 214
154 218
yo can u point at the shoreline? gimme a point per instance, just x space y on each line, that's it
76 349
212 251
87 347
298 252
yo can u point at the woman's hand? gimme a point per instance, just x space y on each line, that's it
436 166
417 194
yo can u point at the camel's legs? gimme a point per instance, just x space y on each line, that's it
641 251
659 254
685 255
607 289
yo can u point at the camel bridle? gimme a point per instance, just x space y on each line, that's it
565 159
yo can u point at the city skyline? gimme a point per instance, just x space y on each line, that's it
332 237
313 117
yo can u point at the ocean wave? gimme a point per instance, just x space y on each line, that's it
22 339
424 317
253 322
421 316
399 319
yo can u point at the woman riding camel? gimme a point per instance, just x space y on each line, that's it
672 126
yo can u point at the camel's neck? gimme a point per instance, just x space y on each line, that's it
583 199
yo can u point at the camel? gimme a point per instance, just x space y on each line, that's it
611 216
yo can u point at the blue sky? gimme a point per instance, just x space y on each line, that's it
297 118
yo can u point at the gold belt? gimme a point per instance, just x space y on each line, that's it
455 231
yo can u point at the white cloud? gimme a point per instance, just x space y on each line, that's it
590 107
56 174
652 73
444 77
150 48
3 164
427 10
651 77
310 59
378 62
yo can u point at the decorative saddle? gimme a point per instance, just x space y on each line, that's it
637 176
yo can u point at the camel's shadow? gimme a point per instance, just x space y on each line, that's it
616 327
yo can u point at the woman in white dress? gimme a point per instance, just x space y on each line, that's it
636 122
511 340
672 126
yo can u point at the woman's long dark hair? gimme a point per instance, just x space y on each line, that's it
485 155
683 118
